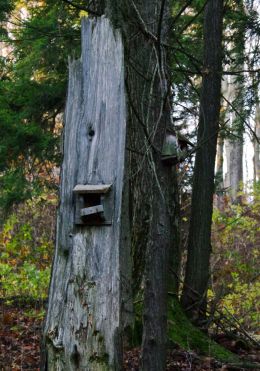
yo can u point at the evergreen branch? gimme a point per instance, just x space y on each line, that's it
190 72
37 29
242 118
183 50
188 78
201 143
185 6
193 18
10 41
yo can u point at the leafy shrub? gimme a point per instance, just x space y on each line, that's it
235 259
26 246
25 281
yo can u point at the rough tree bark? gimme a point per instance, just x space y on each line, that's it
199 244
84 319
153 185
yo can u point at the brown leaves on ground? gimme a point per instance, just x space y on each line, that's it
20 334
181 360
177 360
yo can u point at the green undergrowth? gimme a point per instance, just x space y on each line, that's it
188 337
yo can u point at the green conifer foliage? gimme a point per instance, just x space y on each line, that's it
32 91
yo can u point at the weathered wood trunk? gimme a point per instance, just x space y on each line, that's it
83 324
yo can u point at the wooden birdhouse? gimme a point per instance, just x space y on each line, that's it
175 147
170 148
93 204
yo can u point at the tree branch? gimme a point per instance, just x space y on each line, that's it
159 29
240 71
146 133
142 24
185 6
80 7
242 118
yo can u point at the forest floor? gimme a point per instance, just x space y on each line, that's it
20 334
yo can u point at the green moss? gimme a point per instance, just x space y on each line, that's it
183 333
99 359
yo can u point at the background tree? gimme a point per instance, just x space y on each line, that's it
233 100
256 145
199 245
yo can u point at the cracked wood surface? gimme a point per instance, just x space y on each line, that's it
82 329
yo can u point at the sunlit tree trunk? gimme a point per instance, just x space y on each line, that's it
233 144
234 117
219 162
257 145
234 174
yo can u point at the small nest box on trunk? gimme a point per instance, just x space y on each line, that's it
175 147
94 204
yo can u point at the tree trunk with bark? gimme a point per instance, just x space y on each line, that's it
153 185
199 242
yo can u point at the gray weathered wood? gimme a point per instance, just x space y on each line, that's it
91 210
83 324
91 188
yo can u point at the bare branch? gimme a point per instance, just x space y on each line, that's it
159 29
142 24
240 71
242 118
80 7
147 136
185 6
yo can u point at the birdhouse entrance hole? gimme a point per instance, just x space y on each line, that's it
94 204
